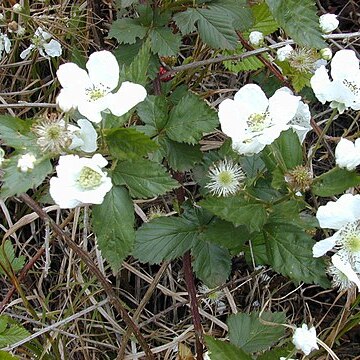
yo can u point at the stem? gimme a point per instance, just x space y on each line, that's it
93 269
190 285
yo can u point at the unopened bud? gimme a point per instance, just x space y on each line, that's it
326 53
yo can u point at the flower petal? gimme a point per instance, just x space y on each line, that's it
320 84
344 65
335 215
53 48
323 246
103 69
27 51
252 100
129 95
347 155
72 76
346 269
92 109
283 106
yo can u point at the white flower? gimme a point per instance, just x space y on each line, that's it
256 38
347 154
339 215
225 178
253 121
5 44
300 123
92 93
284 52
328 23
326 53
344 89
79 181
26 162
45 47
304 339
17 8
83 137
345 268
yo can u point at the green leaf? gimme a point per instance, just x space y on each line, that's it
16 133
335 182
300 79
128 143
237 210
299 20
138 69
154 111
7 255
276 353
212 263
164 238
181 157
6 356
289 250
247 332
214 26
222 350
16 182
126 31
113 223
143 178
263 19
164 42
12 333
190 119
126 3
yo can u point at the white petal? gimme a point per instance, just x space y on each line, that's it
249 147
283 107
320 84
92 109
99 160
129 95
72 76
323 246
335 215
252 99
347 155
7 43
43 34
88 134
232 122
301 121
346 269
103 69
26 52
344 64
53 48
62 195
66 100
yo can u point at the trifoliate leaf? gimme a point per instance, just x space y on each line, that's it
113 223
190 119
247 331
11 332
144 178
299 20
126 31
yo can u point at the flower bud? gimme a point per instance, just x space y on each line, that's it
328 23
326 53
284 52
26 162
256 38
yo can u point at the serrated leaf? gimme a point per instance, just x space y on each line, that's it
335 182
113 223
17 182
16 133
126 31
186 20
247 332
299 20
289 251
181 157
12 333
276 353
212 263
222 350
299 80
138 69
251 63
164 42
7 256
263 19
190 119
164 238
127 143
144 178
154 111
237 210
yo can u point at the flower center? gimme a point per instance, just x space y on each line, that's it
89 178
350 238
225 178
351 86
54 132
96 92
258 122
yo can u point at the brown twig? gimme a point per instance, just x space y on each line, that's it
93 269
